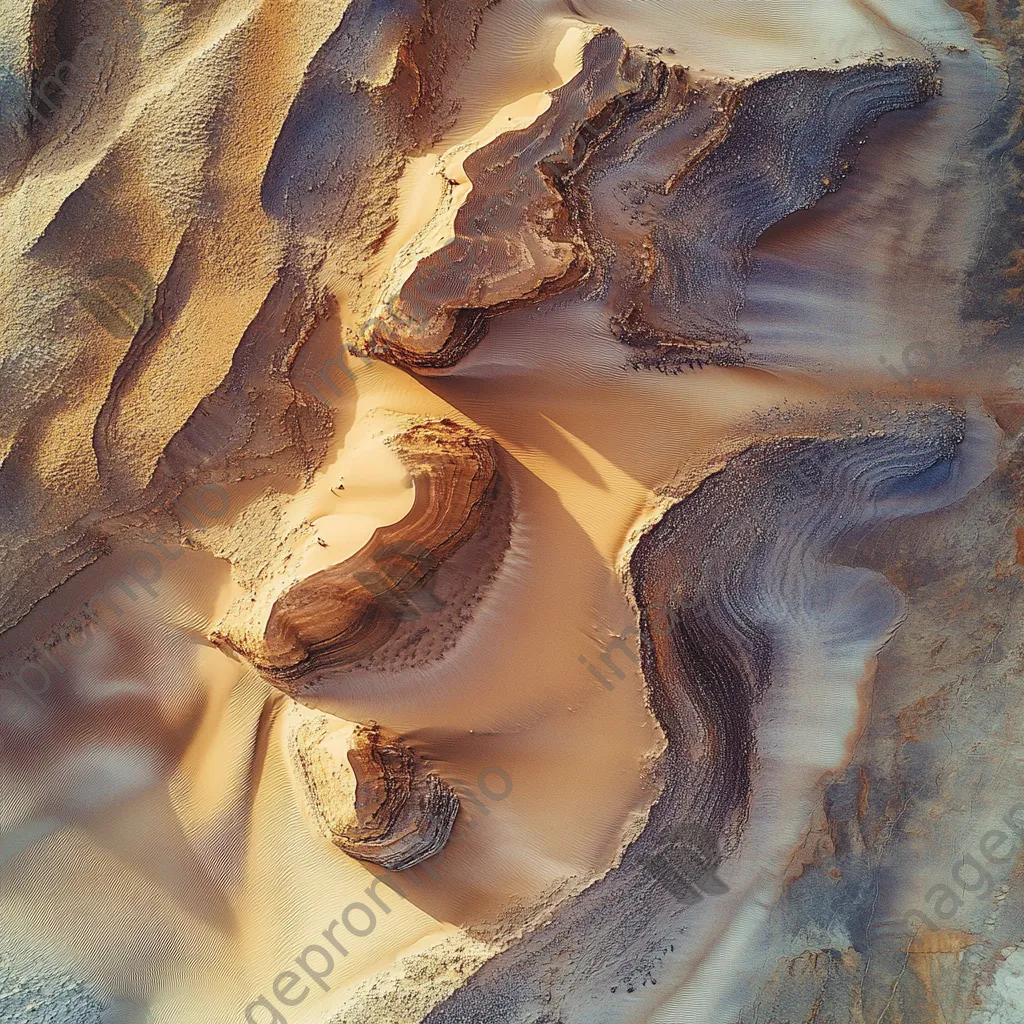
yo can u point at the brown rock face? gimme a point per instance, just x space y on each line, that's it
385 807
644 183
368 608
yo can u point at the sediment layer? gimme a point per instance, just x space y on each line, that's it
423 571
205 205
384 806
733 577
650 185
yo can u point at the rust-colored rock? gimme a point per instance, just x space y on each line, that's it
385 807
429 566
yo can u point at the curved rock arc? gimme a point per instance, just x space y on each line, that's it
646 185
709 667
359 609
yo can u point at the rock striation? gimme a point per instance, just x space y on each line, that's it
384 806
735 575
642 183
370 609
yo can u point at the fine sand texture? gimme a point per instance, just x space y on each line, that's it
511 512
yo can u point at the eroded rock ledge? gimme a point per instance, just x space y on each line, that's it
403 597
383 805
648 184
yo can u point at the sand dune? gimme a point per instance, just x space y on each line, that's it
511 511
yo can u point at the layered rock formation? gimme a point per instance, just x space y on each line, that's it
424 571
334 474
648 183
742 611
384 807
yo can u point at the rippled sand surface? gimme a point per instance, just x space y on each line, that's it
510 512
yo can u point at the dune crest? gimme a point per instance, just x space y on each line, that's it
511 511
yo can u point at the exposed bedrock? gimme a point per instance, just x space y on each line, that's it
732 583
642 183
370 794
404 595
517 236
900 910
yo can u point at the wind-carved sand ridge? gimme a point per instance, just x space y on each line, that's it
519 209
649 184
